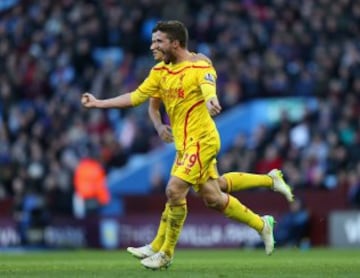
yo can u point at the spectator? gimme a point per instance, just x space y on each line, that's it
91 190
271 160
293 226
354 189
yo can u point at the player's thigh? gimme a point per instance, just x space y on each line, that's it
176 190
197 163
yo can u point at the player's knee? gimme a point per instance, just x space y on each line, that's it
169 193
172 195
222 184
212 202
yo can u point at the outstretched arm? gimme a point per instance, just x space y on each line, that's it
122 101
163 130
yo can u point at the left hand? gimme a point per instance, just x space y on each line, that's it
213 106
165 133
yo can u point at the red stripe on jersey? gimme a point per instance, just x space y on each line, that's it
187 119
200 67
170 71
198 157
181 70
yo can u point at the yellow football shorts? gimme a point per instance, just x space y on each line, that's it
197 162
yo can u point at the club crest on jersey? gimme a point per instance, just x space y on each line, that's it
209 77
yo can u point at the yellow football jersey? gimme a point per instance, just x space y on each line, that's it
179 88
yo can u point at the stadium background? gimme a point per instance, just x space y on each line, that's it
305 54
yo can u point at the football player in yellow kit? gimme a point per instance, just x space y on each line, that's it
188 90
228 182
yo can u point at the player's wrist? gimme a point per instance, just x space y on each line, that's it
210 98
98 103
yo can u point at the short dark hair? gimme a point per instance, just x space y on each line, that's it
175 30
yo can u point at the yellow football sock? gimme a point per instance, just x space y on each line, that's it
237 181
238 212
176 218
160 235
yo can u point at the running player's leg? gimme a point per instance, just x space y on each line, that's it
155 245
160 234
235 210
236 181
176 192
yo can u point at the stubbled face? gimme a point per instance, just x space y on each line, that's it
158 55
161 47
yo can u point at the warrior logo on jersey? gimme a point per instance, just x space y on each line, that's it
209 77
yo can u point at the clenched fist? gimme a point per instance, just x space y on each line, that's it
88 100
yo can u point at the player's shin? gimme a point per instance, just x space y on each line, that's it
160 235
176 218
240 213
236 181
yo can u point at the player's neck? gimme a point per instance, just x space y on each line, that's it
181 56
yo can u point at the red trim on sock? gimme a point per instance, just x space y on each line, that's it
227 203
179 205
230 186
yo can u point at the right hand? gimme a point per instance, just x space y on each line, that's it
213 106
165 133
88 100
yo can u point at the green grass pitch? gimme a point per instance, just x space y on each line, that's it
190 263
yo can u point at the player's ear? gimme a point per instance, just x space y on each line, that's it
176 43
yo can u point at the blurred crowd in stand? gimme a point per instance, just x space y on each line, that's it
52 51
